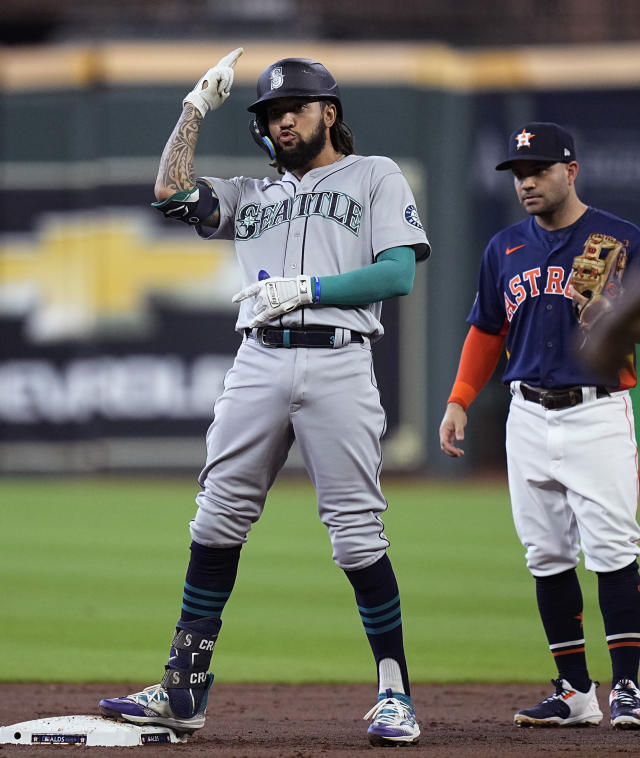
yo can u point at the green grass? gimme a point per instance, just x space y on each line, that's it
91 572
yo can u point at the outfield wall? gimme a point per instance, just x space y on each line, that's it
116 327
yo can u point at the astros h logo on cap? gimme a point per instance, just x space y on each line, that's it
539 141
523 139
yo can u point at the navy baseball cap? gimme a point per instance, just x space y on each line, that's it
539 141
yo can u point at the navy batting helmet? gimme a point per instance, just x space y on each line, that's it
290 77
296 77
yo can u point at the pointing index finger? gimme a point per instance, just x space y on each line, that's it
231 58
249 291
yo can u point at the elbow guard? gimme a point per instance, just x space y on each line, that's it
192 206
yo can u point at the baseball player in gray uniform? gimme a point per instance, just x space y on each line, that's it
319 249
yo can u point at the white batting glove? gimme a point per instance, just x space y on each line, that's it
215 86
276 296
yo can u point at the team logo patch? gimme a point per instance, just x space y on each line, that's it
524 139
411 216
276 77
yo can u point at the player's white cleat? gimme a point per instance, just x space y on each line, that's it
393 721
566 707
625 705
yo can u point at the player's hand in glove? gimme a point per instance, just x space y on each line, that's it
215 86
276 296
612 340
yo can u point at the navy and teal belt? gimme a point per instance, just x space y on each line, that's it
557 400
318 337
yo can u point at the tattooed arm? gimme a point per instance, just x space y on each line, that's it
176 170
176 173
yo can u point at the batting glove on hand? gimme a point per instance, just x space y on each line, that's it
276 296
215 86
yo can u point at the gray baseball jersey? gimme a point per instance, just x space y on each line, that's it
335 219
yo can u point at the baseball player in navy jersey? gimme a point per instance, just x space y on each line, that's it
544 284
319 249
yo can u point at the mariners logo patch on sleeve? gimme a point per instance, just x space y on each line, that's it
411 216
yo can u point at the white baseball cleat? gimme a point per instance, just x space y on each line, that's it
566 707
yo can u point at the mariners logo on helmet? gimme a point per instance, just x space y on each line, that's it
276 77
411 216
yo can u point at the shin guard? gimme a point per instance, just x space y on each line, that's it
185 678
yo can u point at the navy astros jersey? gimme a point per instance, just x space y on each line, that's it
524 285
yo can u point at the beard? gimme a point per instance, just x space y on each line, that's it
304 152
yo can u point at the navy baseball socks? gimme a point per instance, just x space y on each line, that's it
180 700
393 719
574 702
619 597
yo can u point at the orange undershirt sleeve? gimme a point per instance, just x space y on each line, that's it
478 360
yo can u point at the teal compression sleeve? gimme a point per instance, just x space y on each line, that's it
392 274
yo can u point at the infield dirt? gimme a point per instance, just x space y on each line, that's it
301 721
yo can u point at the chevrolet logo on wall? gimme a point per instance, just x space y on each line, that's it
81 273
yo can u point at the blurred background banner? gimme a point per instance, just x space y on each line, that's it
116 327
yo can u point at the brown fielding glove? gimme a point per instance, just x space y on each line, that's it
596 277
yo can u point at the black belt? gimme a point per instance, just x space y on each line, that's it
298 337
556 400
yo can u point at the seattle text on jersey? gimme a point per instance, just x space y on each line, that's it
253 218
